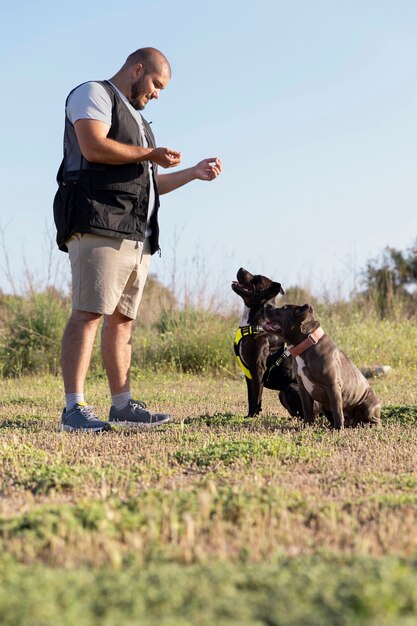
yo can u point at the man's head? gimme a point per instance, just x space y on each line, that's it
144 73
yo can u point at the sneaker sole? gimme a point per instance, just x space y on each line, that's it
139 424
64 428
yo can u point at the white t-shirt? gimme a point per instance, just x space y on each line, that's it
90 101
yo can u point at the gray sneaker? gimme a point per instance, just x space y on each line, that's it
82 417
136 414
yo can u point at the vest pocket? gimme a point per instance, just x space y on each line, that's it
118 207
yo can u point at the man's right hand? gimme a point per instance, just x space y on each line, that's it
165 157
97 147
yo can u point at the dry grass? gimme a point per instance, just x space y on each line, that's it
211 485
211 519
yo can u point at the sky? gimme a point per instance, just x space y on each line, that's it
310 104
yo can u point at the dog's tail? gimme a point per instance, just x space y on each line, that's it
377 371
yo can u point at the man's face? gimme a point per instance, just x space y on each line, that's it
147 86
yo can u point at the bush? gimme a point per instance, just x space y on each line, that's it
366 338
188 340
30 332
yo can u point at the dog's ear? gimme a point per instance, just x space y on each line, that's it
277 289
303 311
280 289
304 317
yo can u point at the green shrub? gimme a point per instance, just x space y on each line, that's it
367 339
31 334
188 340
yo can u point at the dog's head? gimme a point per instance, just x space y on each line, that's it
255 289
289 320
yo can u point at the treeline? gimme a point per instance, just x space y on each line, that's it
392 278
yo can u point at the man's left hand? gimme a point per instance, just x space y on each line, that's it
208 169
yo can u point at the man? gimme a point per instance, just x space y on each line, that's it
106 214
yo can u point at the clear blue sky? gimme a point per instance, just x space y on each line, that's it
311 105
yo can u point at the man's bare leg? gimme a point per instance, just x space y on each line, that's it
77 348
116 347
116 350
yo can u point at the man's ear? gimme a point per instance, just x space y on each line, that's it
138 69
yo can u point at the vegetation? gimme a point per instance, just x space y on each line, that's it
193 340
391 281
213 518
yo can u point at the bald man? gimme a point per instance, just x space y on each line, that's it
106 215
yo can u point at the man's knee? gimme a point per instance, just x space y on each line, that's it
117 318
84 317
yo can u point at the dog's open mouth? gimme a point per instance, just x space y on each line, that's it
271 327
243 288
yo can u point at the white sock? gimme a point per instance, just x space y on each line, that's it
71 399
120 400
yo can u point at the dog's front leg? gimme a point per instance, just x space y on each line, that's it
254 397
307 404
336 404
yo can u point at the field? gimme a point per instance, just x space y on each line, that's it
212 519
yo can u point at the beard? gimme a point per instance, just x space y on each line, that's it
136 91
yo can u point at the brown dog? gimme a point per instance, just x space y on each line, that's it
324 372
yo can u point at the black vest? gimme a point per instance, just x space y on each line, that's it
108 200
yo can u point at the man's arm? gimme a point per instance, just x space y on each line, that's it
208 169
96 147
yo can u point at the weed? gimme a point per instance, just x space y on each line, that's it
243 451
402 414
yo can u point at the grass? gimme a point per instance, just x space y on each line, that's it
212 519
382 593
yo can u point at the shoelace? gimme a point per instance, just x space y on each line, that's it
88 413
138 404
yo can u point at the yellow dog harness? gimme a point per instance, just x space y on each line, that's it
244 331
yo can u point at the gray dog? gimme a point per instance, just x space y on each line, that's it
324 372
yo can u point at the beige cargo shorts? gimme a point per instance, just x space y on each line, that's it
108 273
